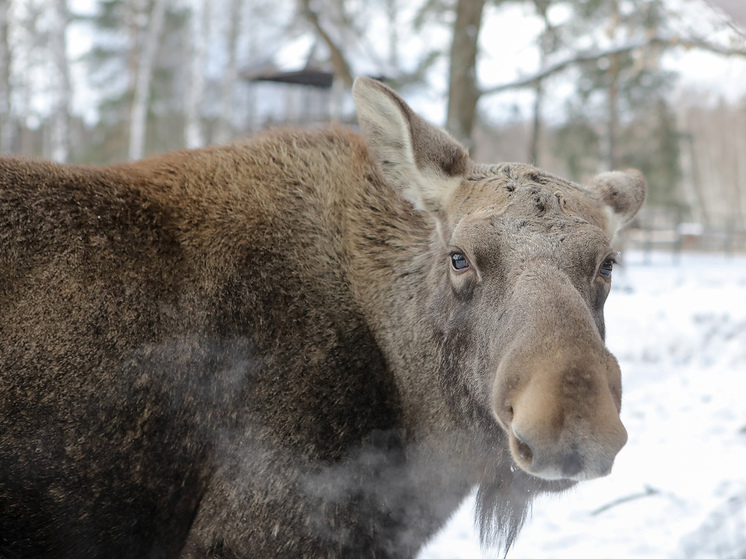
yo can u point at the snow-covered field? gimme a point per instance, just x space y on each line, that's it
678 489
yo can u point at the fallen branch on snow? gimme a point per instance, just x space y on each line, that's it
648 492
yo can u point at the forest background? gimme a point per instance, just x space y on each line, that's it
575 87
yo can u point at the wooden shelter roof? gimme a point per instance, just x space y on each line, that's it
308 77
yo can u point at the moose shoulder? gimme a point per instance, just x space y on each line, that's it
310 344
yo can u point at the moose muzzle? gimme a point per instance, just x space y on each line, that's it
557 392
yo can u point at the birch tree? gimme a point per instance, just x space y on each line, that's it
392 15
193 133
227 98
60 130
614 70
139 113
6 122
135 12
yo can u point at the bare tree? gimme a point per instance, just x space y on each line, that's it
60 133
193 132
463 92
595 54
139 114
225 123
612 156
136 13
546 45
137 19
6 122
339 61
716 175
392 15
734 8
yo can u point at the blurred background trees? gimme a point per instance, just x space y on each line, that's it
576 87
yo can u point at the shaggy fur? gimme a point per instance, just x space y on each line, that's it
262 350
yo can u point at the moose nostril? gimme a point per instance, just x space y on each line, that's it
524 451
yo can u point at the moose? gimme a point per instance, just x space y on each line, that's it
309 343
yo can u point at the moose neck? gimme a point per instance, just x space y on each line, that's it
393 277
395 251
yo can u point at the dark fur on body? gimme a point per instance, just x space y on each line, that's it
222 353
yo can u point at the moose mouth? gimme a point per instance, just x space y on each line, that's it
569 464
522 452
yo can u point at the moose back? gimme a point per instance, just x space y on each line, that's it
308 344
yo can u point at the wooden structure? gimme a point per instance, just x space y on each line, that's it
303 97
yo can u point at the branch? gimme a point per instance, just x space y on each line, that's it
725 17
339 62
648 492
597 54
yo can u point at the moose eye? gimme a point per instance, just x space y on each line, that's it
459 261
606 268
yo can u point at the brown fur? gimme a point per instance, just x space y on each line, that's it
260 350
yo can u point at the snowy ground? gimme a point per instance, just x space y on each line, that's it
678 489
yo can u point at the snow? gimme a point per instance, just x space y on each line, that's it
678 488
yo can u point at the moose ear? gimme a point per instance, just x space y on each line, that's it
623 192
424 163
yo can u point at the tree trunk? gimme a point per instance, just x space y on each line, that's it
60 133
339 61
700 209
612 131
137 16
545 47
533 146
142 83
7 132
225 125
193 134
463 93
392 14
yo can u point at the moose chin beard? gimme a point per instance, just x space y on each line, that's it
504 498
